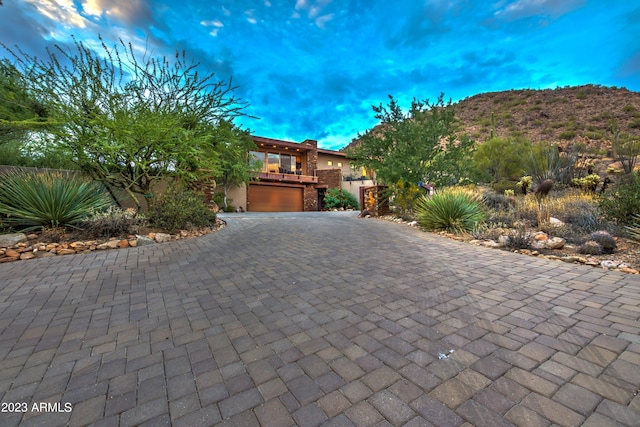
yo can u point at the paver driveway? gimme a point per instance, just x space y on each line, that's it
317 319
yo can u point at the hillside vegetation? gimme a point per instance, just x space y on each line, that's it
563 115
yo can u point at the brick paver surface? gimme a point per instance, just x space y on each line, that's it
317 319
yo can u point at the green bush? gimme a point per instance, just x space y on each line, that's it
181 209
455 210
113 222
335 198
48 199
623 202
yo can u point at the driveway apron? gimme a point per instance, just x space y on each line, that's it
315 319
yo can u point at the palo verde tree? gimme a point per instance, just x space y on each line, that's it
23 120
130 119
419 145
235 166
20 111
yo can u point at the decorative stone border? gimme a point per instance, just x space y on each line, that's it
25 251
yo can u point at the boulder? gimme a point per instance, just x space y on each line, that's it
555 243
11 239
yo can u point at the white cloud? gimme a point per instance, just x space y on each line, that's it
252 19
63 12
322 20
216 24
314 11
519 9
127 11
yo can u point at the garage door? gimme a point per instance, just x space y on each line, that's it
271 198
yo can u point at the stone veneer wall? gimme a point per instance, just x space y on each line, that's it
310 198
332 178
312 157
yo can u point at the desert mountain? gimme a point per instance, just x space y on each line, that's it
563 115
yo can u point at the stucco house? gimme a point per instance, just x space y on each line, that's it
294 177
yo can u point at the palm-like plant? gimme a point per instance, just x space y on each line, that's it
455 210
32 200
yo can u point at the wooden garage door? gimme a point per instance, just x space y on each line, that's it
271 198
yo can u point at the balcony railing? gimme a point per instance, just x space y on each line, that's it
287 177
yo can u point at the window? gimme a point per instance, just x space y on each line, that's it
339 164
330 162
257 156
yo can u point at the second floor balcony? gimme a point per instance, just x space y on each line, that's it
290 177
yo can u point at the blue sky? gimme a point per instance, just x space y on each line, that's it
313 68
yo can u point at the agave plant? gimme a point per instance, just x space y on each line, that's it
455 210
32 200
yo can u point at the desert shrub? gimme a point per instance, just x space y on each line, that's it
404 198
634 229
567 134
590 247
112 223
455 210
48 199
336 198
518 238
498 201
623 201
587 183
181 209
605 240
501 186
583 213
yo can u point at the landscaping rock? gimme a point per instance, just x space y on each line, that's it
66 251
540 236
555 243
144 241
12 253
555 222
162 237
609 264
27 255
11 239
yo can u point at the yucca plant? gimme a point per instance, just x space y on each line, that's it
33 200
455 210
